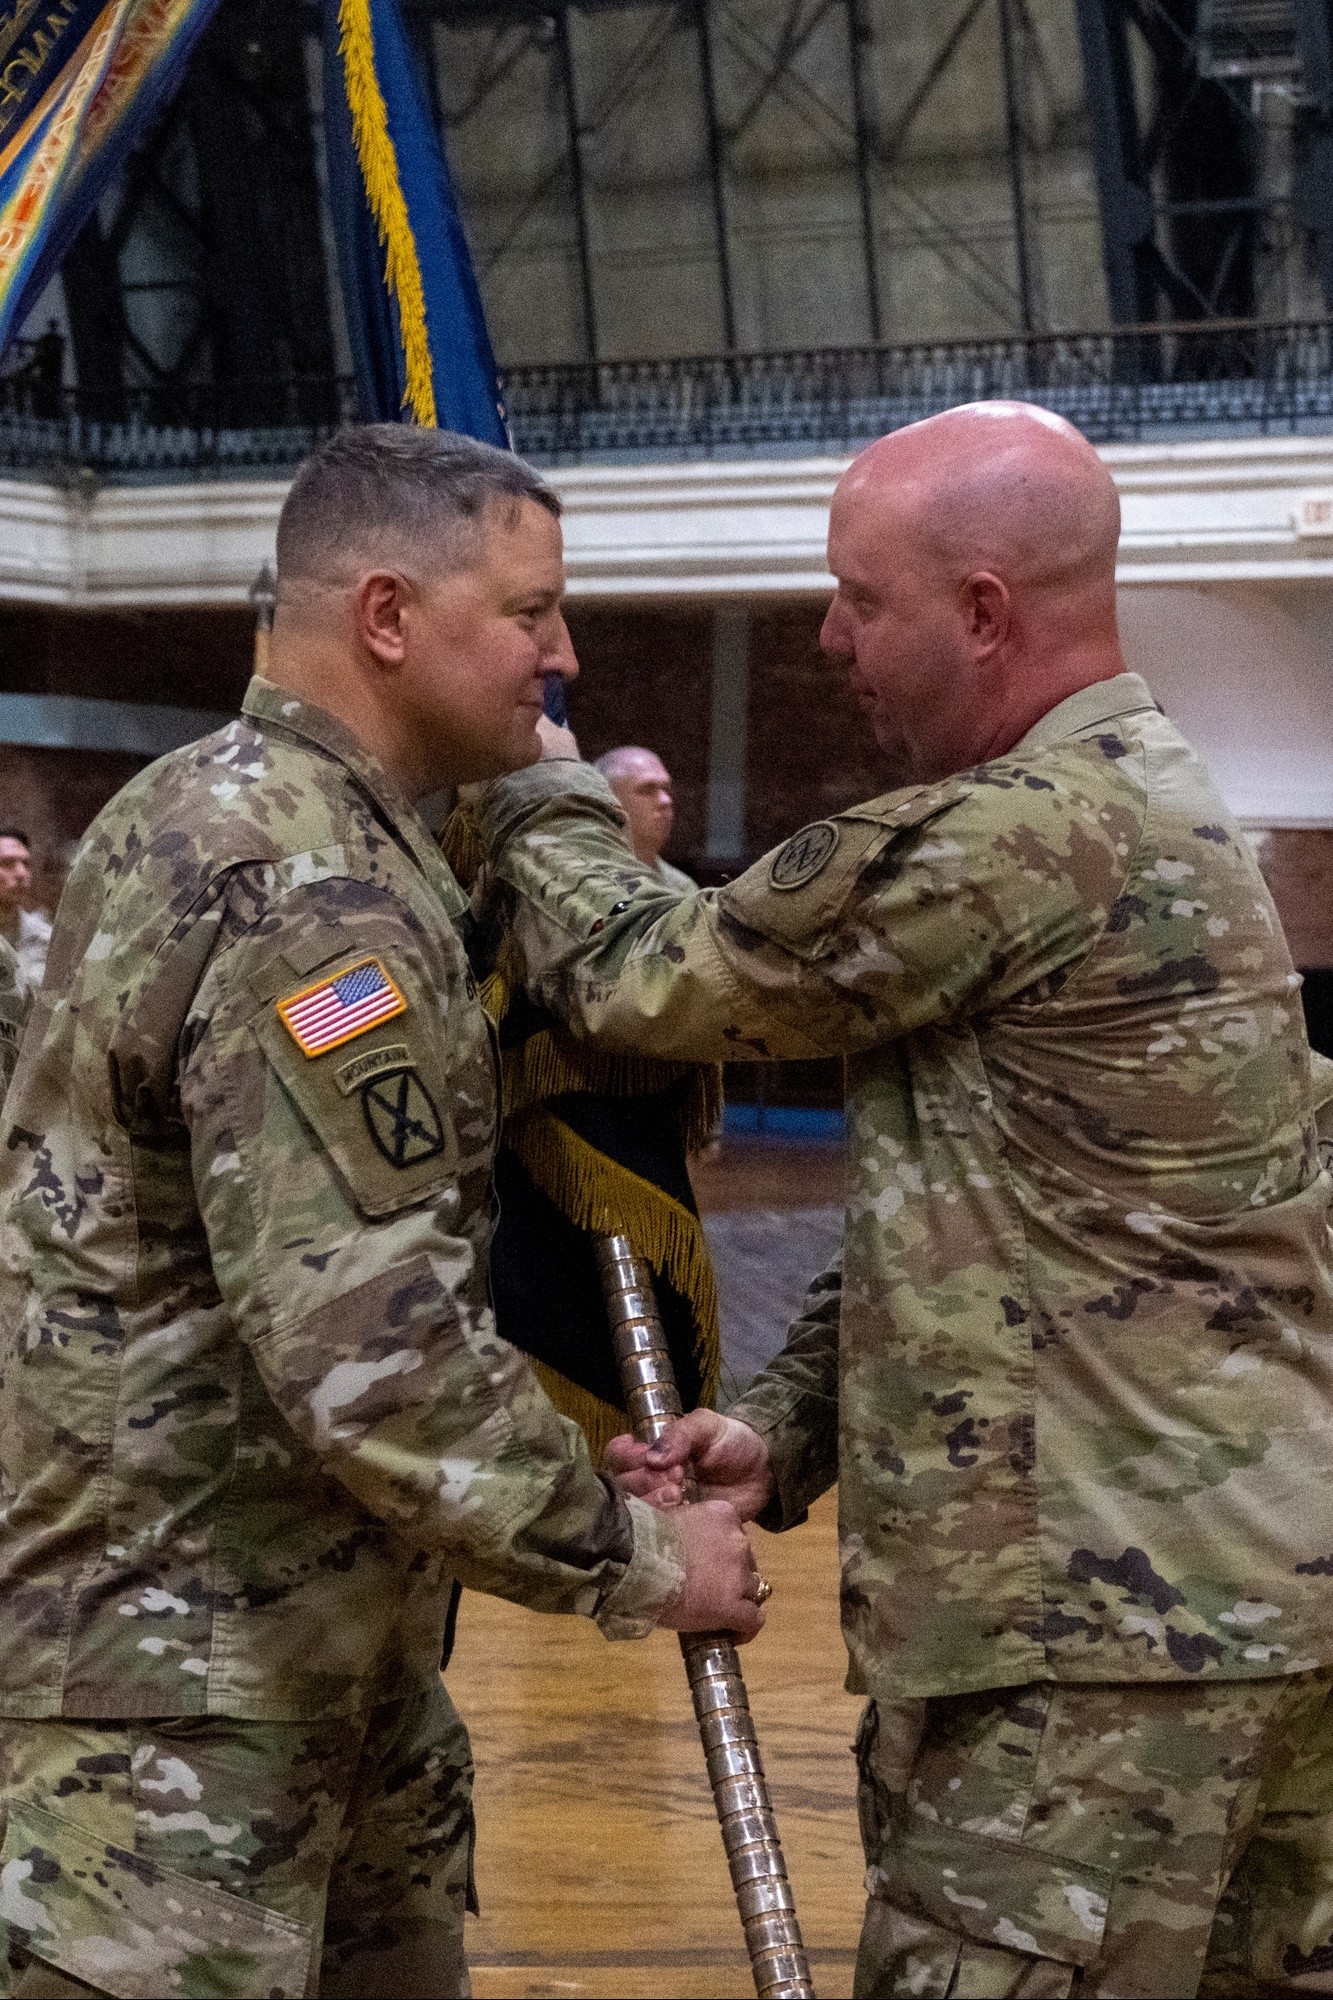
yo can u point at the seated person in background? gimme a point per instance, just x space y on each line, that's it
27 930
642 783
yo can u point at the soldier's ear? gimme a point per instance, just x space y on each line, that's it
987 610
380 601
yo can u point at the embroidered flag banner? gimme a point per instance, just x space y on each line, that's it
79 82
418 332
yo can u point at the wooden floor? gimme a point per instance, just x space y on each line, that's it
599 1866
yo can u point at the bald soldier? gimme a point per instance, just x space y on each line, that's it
254 1415
642 785
1072 1375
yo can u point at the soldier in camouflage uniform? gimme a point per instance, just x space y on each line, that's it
15 1001
1074 1370
254 1415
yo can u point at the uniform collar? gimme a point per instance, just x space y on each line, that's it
275 708
1104 701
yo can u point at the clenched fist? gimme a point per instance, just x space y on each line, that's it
721 1582
729 1462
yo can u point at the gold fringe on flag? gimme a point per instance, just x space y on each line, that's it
460 844
543 1068
379 170
598 1194
590 1190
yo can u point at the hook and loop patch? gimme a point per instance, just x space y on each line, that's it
402 1118
805 855
333 1011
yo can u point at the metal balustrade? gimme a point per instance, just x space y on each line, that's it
1213 379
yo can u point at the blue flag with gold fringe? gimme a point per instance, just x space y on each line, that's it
592 1141
79 82
418 333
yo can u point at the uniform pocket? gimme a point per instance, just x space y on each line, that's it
958 1904
379 1104
796 895
129 1927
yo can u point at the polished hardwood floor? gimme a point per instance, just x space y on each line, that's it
599 1867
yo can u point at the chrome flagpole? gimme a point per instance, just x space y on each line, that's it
740 1789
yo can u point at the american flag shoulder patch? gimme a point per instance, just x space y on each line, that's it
326 1015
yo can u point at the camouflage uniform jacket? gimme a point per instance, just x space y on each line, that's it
254 1412
15 1003
1074 1380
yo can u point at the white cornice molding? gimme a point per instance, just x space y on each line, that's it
1219 510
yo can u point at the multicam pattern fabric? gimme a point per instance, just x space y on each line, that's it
1073 1377
211 1856
1100 1841
31 943
15 1002
254 1413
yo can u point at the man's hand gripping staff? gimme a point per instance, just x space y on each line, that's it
740 1790
722 1457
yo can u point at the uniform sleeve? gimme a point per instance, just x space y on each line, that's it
15 1004
921 906
793 1404
336 1189
1321 1091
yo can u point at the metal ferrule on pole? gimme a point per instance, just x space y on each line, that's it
735 1771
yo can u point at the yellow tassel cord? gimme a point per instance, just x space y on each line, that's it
599 1195
494 996
379 170
460 844
598 1421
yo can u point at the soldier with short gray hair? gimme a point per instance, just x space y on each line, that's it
255 1418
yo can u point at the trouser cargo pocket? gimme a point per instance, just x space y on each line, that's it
131 1928
957 1914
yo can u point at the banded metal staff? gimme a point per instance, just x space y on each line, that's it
740 1790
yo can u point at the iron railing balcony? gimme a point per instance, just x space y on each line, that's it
1215 379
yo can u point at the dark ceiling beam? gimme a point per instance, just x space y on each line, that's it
1312 190
1016 150
1124 195
578 186
717 180
858 40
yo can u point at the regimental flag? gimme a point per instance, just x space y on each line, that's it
414 314
591 1142
324 1016
79 82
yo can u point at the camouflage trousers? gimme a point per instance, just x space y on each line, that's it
231 1859
1125 1840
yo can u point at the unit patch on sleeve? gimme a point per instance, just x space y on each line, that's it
804 855
324 1016
403 1119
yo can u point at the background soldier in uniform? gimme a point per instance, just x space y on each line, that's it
255 1416
15 1001
642 784
1073 1374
